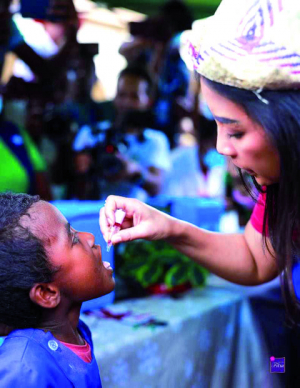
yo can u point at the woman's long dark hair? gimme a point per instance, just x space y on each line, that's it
280 118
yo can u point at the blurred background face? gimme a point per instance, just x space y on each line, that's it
57 31
132 93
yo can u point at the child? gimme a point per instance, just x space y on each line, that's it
47 269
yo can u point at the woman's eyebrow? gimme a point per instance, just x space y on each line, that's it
224 120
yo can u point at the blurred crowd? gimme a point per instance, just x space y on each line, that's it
157 136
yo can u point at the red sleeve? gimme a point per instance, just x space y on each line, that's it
257 216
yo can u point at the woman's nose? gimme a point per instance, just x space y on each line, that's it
224 146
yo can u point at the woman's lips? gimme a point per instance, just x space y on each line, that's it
250 172
247 170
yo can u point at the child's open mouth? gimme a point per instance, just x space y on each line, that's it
107 265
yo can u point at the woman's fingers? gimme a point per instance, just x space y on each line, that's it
104 224
129 234
134 210
141 220
107 213
129 205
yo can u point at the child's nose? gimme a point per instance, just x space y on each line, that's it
90 238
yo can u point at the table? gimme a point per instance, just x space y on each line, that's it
211 340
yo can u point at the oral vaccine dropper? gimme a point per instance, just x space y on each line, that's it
119 218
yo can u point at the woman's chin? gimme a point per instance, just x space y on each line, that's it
263 181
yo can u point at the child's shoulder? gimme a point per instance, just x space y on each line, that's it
24 357
41 360
21 342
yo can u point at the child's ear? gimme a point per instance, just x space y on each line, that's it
45 294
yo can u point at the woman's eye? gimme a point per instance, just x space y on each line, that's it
236 135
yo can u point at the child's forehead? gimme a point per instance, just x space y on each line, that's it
45 221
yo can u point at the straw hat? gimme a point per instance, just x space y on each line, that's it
250 44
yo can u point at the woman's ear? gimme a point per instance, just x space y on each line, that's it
45 294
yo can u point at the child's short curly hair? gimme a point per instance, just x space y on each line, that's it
23 263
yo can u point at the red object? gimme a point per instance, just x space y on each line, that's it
164 289
110 149
257 216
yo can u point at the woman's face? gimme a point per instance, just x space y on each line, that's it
242 139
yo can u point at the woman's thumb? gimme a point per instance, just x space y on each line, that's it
130 234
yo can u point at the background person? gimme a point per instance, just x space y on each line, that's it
140 154
155 44
12 40
25 169
199 170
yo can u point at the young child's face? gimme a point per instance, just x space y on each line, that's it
82 275
132 93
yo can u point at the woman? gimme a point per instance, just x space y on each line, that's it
249 79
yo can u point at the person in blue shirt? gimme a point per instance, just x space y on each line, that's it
12 40
47 270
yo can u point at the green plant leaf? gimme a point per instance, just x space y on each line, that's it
176 275
198 275
148 275
130 268
151 262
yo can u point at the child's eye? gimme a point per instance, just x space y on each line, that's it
75 239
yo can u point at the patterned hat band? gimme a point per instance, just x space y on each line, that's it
249 44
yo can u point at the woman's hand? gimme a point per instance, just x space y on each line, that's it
141 220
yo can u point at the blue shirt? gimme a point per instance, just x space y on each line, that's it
35 359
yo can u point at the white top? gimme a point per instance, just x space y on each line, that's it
186 179
154 151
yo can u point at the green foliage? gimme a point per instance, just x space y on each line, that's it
199 8
149 263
